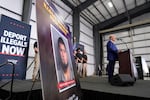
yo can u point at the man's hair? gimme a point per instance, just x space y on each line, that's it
78 49
64 66
35 45
111 36
60 41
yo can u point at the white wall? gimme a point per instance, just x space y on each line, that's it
86 39
7 8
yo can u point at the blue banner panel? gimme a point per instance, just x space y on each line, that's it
58 69
14 44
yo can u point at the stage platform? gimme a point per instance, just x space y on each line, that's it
21 90
98 88
93 88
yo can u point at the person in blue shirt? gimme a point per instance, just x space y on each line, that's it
112 56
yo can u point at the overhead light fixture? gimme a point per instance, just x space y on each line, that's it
110 4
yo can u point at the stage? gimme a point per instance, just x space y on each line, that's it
98 88
93 88
21 90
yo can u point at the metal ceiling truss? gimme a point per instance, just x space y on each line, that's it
85 4
91 13
86 13
86 18
99 11
114 7
105 8
113 20
135 3
127 12
139 10
68 4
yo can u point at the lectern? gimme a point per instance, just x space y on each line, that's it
126 64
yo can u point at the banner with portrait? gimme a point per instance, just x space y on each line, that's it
58 71
14 44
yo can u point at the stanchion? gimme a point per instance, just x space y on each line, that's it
12 79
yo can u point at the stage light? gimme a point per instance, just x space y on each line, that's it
110 4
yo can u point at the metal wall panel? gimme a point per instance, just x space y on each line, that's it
12 5
137 39
86 39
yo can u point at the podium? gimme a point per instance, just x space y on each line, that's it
126 64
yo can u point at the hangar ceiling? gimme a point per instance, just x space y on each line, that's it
98 12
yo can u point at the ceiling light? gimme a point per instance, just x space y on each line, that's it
110 4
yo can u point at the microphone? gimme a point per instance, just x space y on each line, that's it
119 39
123 42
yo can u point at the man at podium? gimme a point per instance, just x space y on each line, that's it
112 56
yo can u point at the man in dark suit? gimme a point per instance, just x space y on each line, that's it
112 56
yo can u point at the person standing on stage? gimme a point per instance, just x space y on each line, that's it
112 56
75 57
36 62
84 63
79 61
